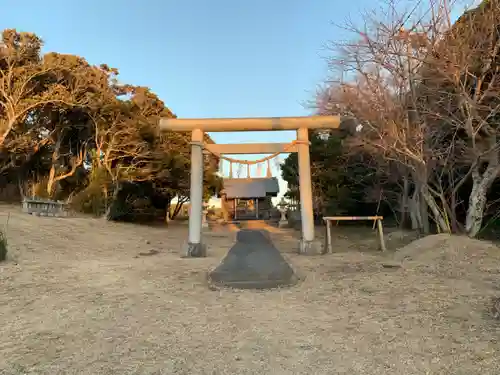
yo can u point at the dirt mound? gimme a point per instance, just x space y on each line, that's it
396 239
445 246
452 255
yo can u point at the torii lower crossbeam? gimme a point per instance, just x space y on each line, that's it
197 127
250 148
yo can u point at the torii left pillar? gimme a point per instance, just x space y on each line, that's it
195 246
307 243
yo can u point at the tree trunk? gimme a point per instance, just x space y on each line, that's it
5 131
105 195
421 204
178 207
52 174
167 210
414 209
430 202
424 212
451 208
404 203
420 179
114 200
51 180
477 199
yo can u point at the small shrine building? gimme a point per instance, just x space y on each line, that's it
248 198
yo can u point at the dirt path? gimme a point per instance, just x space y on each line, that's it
80 301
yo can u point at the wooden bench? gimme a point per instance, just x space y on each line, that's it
376 219
44 207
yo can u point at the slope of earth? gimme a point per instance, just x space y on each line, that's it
83 296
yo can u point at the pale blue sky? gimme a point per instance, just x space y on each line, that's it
204 58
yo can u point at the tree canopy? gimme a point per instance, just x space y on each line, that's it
72 129
426 94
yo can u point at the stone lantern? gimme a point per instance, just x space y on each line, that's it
282 207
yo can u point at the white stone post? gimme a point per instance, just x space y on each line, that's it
307 244
235 205
195 247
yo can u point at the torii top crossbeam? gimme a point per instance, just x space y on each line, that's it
250 124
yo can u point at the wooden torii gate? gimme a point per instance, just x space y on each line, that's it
197 127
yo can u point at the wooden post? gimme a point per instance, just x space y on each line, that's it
329 236
376 219
381 235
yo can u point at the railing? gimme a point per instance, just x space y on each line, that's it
377 220
44 207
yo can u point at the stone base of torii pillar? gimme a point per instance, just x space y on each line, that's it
313 247
195 250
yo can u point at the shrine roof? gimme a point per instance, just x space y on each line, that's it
250 187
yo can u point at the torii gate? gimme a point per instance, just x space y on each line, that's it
197 127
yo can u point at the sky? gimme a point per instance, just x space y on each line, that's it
204 58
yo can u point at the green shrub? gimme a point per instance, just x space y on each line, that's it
96 197
91 200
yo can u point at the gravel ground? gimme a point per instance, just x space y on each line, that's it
76 297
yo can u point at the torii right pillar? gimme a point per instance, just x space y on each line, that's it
307 243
